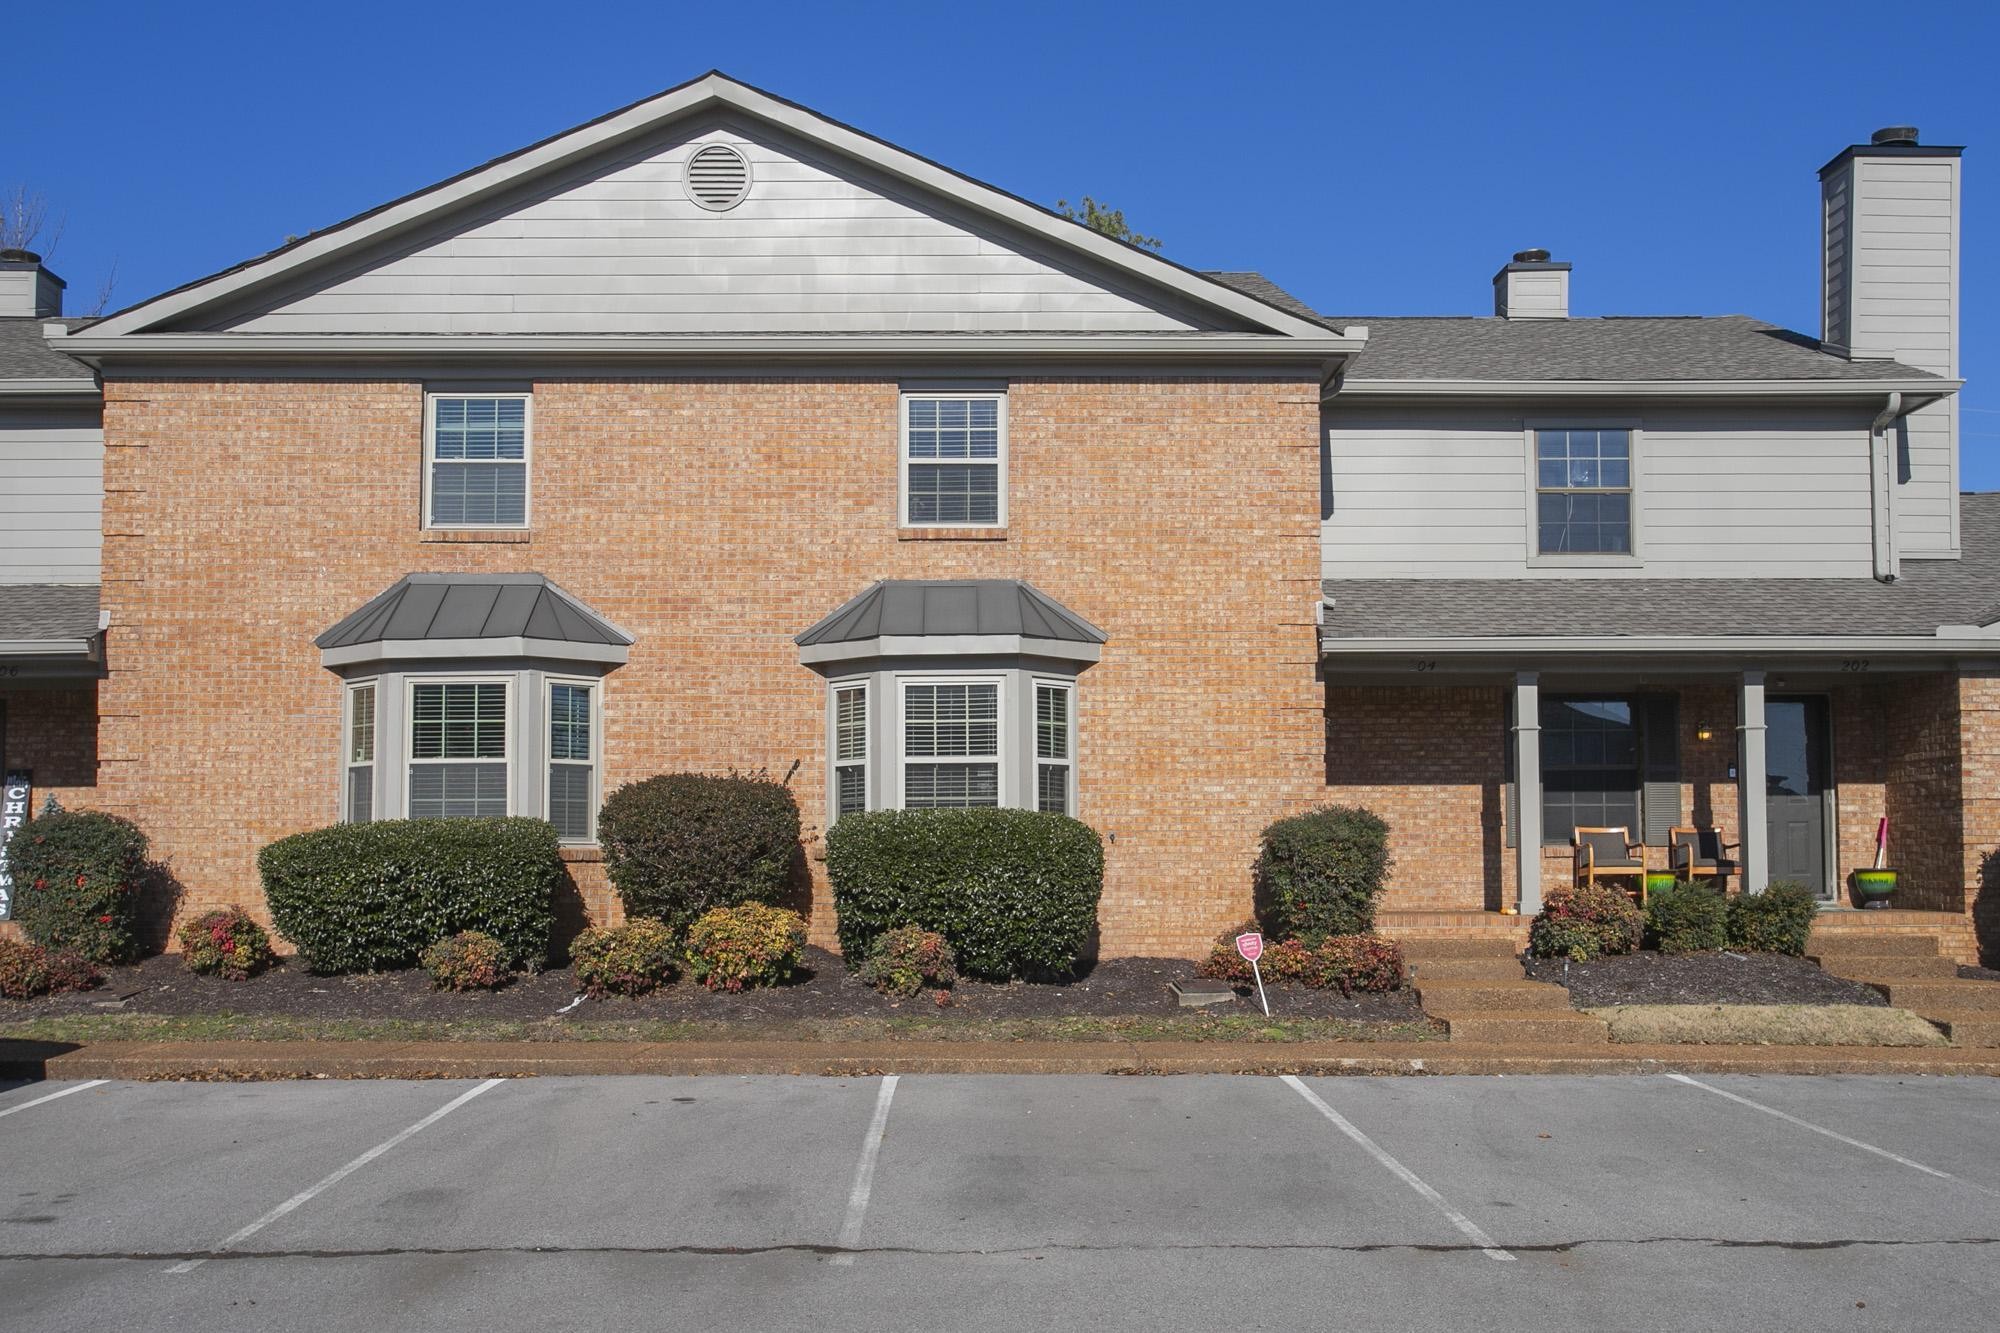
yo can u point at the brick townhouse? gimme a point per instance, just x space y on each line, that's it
717 434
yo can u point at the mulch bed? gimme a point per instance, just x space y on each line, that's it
1114 988
1699 978
1971 973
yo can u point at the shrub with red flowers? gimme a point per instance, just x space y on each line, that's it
225 943
903 961
736 948
1583 922
28 970
77 877
1346 963
469 960
631 959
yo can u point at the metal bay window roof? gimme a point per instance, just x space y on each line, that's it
934 618
444 616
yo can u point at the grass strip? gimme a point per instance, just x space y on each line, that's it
1768 1025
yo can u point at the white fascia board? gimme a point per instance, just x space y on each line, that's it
46 647
710 91
1933 388
470 650
1731 645
949 645
64 388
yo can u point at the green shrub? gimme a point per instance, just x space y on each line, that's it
1689 918
28 970
631 959
1347 963
1014 892
737 948
469 960
225 943
1585 922
1320 873
77 877
682 843
365 897
905 960
1778 920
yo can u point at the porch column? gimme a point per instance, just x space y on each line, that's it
1753 828
1528 789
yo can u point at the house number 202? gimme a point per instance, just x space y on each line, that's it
1853 664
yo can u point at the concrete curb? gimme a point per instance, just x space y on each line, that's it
254 1060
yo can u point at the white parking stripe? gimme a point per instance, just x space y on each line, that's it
864 1172
312 1192
1821 1129
1487 1245
74 1087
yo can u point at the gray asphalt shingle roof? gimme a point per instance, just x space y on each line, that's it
39 611
26 355
1930 593
472 606
913 608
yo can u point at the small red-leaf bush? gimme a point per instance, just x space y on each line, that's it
28 970
631 959
903 961
469 960
1346 963
1585 922
736 948
225 943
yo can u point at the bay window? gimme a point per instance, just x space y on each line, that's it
951 744
358 790
572 776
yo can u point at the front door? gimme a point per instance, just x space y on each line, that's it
1795 760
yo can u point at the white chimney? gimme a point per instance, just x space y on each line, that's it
27 290
1531 288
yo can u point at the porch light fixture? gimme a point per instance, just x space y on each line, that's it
1703 732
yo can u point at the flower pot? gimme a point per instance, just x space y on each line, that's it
1660 879
1874 887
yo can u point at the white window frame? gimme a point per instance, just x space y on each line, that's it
834 763
903 460
508 681
998 758
347 761
430 462
595 687
1068 762
1582 559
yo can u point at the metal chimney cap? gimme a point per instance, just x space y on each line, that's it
13 256
1894 135
1531 256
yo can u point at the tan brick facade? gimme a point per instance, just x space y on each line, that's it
52 731
715 520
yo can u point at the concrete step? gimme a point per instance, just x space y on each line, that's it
1536 1026
1980 1031
1852 943
1883 967
1941 997
1464 997
1474 946
1466 969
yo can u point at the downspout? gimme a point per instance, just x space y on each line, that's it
1882 490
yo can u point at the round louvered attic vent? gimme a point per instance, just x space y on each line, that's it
718 177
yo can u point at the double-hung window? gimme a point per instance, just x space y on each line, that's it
1054 748
850 749
572 792
459 749
954 460
951 744
476 461
358 792
1583 492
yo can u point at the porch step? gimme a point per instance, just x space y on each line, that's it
1551 1027
1444 999
1827 944
1475 946
1940 997
1434 967
1885 967
1979 1031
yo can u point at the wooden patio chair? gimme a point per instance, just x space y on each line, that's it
1700 853
1610 853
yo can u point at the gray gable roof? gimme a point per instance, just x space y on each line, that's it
455 607
919 608
26 355
1929 594
35 612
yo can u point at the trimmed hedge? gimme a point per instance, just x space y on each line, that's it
76 883
1691 917
680 844
1320 873
1586 922
1778 920
1014 892
368 897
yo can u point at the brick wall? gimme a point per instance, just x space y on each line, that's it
715 520
1979 807
52 730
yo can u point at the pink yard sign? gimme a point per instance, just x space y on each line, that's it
1251 946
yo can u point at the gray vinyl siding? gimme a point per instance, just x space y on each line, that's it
619 247
51 494
1440 491
1836 198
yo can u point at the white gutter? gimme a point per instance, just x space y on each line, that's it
1352 388
1882 492
49 388
46 647
949 645
1948 639
459 650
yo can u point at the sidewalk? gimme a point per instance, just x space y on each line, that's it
248 1060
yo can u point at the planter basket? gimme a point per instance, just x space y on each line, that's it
1874 887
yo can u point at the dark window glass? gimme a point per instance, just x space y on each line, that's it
1590 766
1583 502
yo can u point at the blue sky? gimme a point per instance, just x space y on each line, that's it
1372 162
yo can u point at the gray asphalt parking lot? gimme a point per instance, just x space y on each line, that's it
1004 1202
